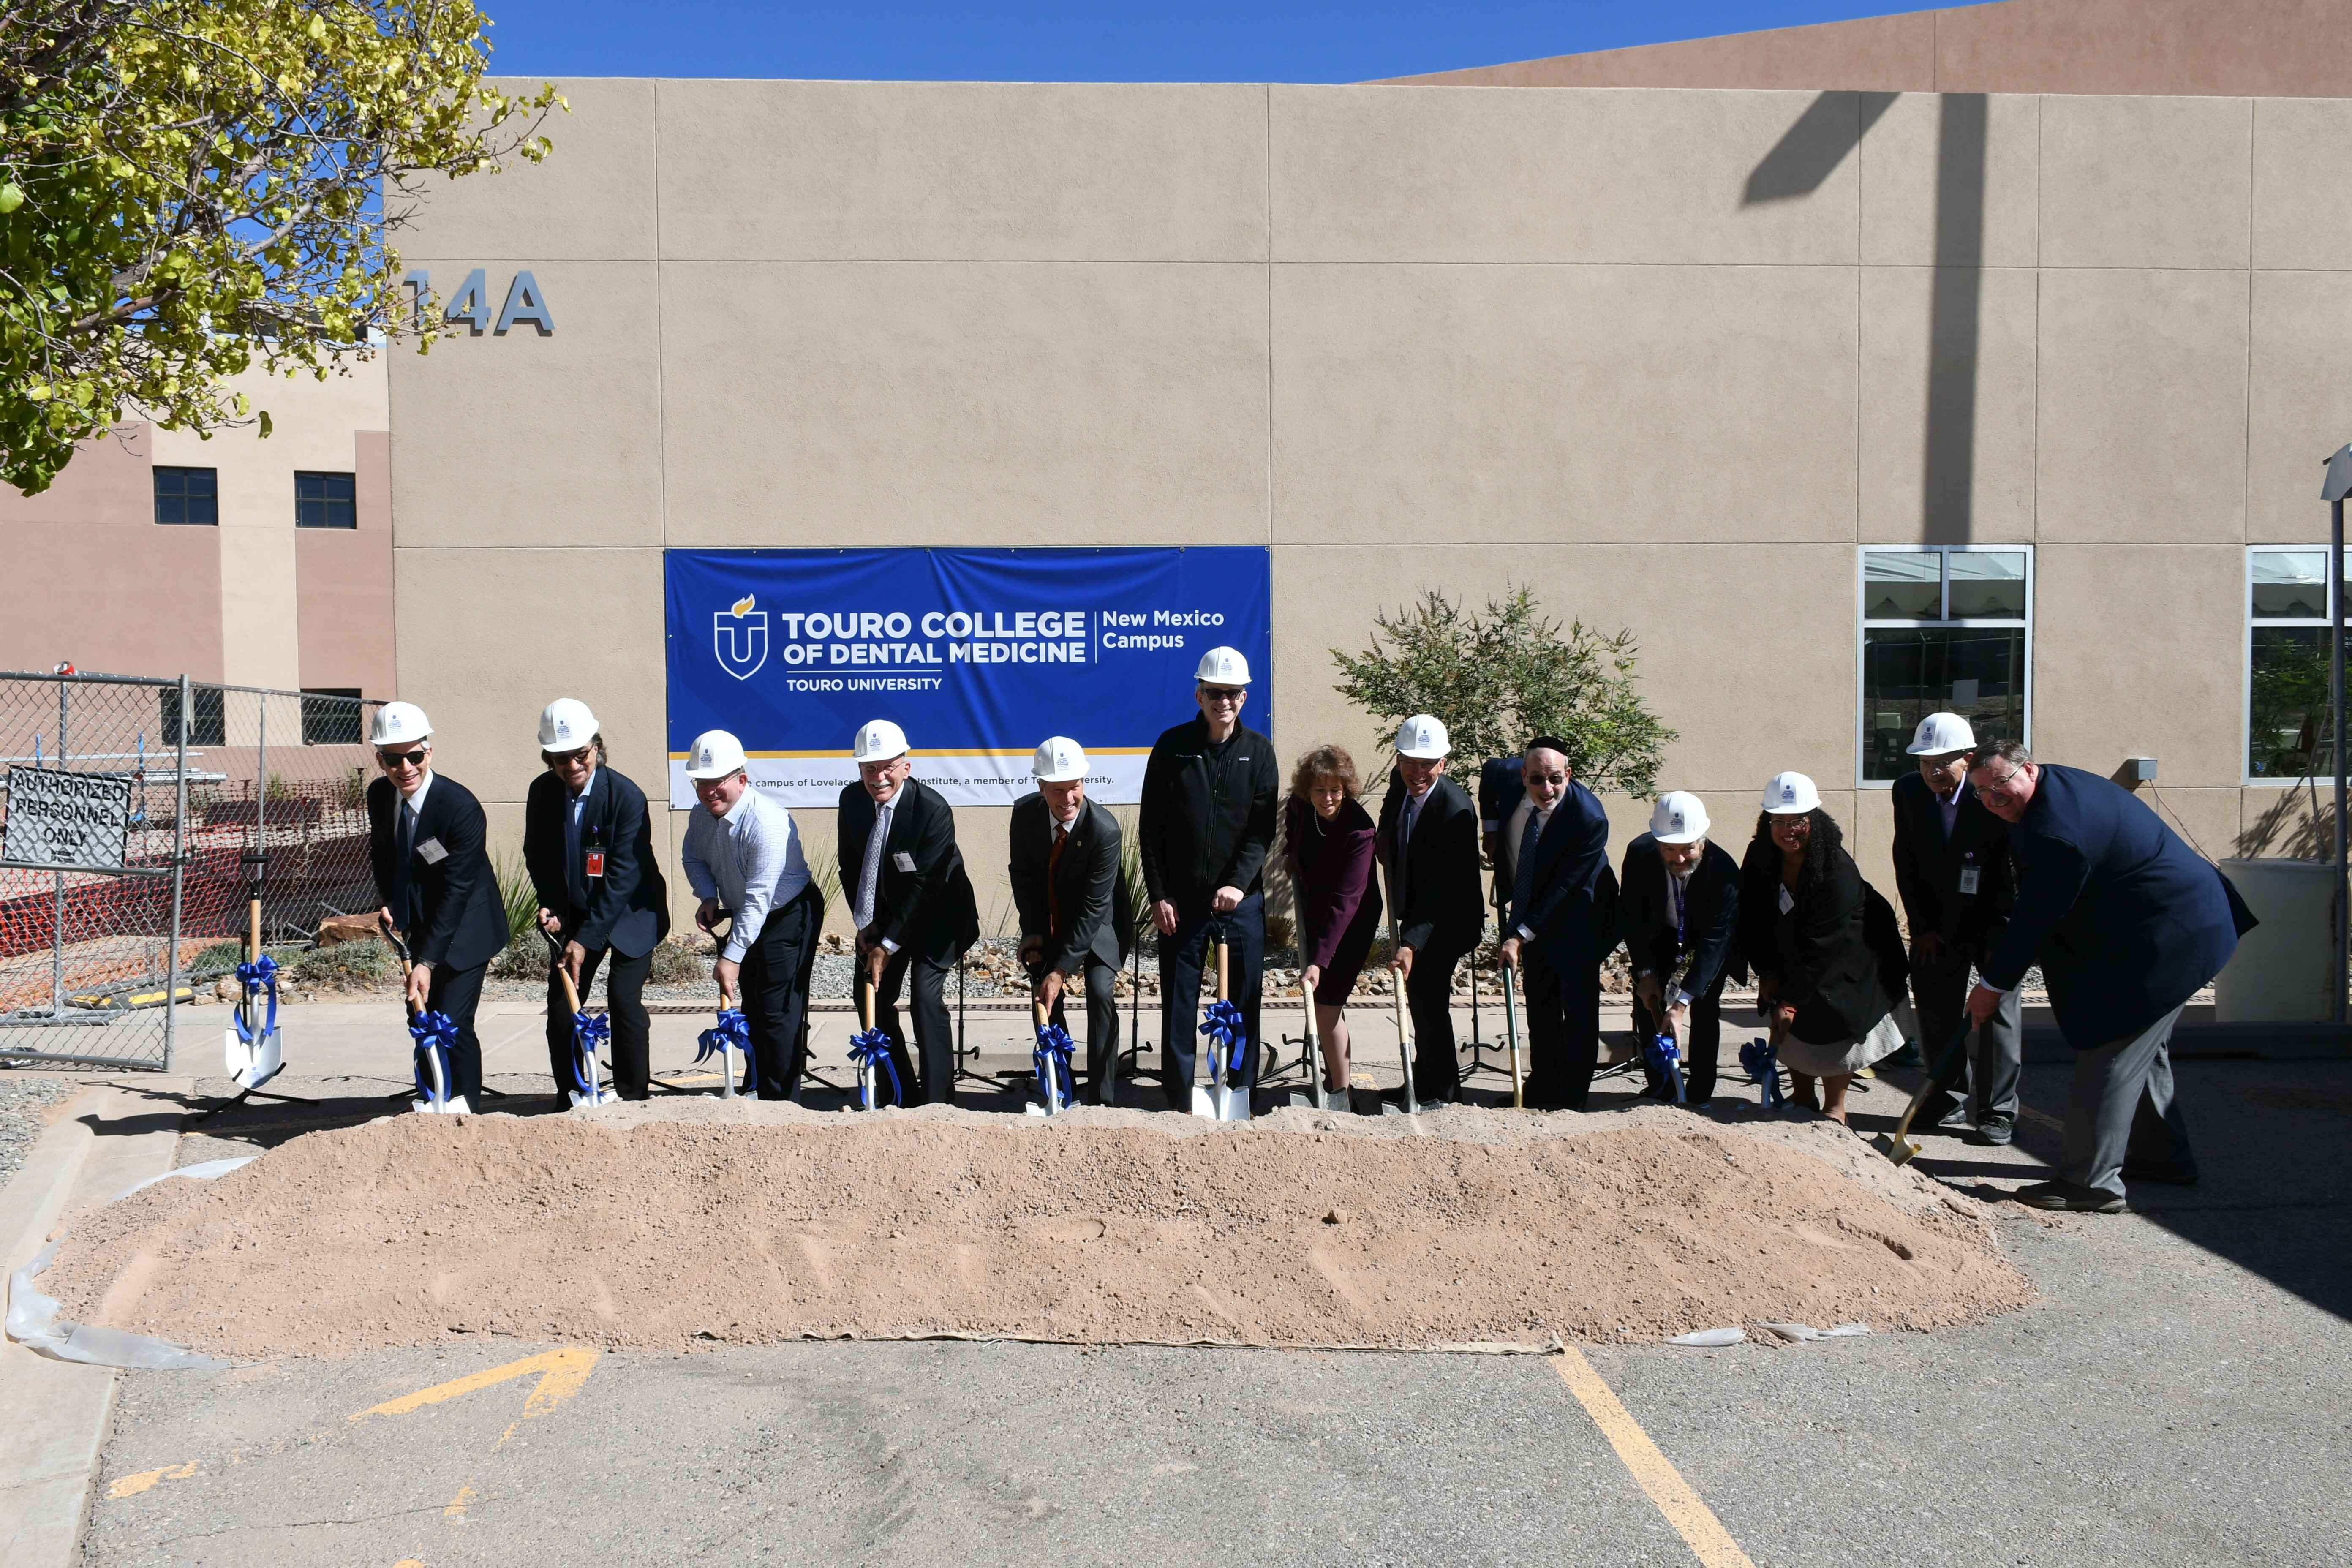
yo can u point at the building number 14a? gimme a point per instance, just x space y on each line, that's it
471 303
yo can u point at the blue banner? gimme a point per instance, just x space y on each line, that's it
977 654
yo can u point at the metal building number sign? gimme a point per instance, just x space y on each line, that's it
70 821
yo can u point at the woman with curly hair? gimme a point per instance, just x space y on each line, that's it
1824 979
1329 839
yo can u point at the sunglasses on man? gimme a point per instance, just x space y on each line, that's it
392 760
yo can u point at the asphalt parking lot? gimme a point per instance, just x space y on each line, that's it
2175 1398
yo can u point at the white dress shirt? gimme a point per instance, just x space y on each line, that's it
749 860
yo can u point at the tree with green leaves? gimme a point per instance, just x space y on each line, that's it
1500 675
193 188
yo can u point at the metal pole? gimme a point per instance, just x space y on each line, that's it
2336 716
179 867
57 896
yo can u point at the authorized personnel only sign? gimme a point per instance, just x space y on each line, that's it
977 654
70 821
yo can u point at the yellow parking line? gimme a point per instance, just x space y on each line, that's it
132 1485
1692 1519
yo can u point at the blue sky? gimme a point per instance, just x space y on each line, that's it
1043 40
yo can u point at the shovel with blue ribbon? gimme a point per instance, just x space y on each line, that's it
1227 1056
1057 1088
589 1030
870 1049
1761 1059
729 1034
433 1033
1667 1058
251 1049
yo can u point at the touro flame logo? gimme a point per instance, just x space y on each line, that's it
739 638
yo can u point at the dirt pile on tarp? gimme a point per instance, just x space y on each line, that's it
700 1221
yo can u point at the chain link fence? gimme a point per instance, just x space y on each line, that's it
141 819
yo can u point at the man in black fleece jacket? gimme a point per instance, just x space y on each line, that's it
1204 832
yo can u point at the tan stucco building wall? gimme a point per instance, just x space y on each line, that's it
1663 355
253 600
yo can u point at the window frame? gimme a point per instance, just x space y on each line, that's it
155 473
348 476
2247 777
1864 624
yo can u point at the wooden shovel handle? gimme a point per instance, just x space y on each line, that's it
1221 972
864 1003
253 922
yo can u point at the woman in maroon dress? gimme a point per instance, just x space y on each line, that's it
1329 838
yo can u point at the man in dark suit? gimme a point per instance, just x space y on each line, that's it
1428 840
1680 899
913 903
425 837
587 842
1562 922
1951 867
1077 911
2126 922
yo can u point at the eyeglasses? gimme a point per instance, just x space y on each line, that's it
1223 693
1992 783
402 759
565 759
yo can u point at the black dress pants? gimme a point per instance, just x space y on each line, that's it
1184 959
774 981
934 1035
1563 1031
1429 997
1102 1026
625 1004
1699 1051
458 993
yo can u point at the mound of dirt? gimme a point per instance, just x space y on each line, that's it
695 1222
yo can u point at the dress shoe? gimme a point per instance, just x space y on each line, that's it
1994 1132
2069 1197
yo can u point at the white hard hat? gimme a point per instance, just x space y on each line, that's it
397 723
1058 760
1679 818
878 740
566 725
1940 734
1223 667
1424 738
1790 794
715 754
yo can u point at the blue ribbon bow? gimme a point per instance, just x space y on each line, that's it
434 1033
1667 1060
1761 1060
1055 1080
1228 1032
733 1030
871 1047
589 1030
261 973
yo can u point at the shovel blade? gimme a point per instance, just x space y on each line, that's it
1234 1105
251 1065
1204 1102
1900 1150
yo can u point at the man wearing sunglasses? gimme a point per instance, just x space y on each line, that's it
426 839
1204 830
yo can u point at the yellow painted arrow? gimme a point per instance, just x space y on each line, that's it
562 1374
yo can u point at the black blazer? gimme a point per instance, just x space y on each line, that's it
446 906
1574 908
627 907
1928 867
1435 895
1709 949
1826 956
1097 903
926 904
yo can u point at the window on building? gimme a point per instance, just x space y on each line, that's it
207 726
1943 629
331 716
324 500
2287 733
188 496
